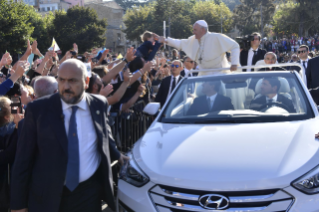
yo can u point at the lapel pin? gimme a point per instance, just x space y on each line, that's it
98 112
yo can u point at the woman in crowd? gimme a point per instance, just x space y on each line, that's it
8 144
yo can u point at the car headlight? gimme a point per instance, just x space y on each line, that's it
132 174
308 183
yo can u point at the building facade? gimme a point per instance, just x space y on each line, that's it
115 38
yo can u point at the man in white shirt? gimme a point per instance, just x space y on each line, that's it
169 83
303 52
253 54
63 158
188 67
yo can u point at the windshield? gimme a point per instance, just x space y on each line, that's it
238 98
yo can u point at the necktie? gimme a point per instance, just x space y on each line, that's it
173 84
304 65
209 103
73 166
255 53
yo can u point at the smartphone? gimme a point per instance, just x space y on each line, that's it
73 53
16 104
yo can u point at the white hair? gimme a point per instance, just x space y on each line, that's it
79 64
45 85
273 54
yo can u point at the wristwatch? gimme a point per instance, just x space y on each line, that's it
125 60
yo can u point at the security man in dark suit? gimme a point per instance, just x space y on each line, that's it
312 76
63 157
251 56
270 96
188 67
169 83
211 101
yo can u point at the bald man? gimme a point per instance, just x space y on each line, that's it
206 48
63 158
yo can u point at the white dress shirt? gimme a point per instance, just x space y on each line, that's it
89 156
250 58
171 84
188 72
274 99
304 77
212 100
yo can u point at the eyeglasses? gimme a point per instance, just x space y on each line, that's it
303 51
190 61
176 66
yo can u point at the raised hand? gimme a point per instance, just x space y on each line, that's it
29 48
147 67
104 54
75 48
161 39
105 91
141 88
34 47
4 58
127 76
130 54
22 67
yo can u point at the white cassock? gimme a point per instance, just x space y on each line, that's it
210 52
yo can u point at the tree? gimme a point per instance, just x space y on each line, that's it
292 17
40 32
214 14
78 25
248 14
231 4
137 20
15 29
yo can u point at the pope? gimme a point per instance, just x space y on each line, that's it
206 48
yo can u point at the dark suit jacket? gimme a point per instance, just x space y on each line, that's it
40 165
312 74
244 57
183 73
256 104
275 69
164 89
200 105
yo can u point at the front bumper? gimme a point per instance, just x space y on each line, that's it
131 198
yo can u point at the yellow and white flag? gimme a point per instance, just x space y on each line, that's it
54 45
120 56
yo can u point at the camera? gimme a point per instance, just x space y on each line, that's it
244 42
16 104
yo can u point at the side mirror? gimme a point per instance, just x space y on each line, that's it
152 108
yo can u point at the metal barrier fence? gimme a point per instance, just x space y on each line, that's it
127 128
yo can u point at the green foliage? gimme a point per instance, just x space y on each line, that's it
78 25
247 15
231 3
15 29
182 15
296 17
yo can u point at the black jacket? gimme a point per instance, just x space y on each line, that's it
260 102
163 90
244 57
40 166
274 69
312 74
200 105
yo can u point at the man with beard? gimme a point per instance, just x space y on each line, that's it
63 157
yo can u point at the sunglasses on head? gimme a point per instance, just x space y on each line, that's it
190 61
303 51
176 66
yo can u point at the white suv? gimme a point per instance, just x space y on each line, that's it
237 142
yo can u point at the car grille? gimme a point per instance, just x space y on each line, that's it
171 199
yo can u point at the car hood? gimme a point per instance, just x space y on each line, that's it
228 156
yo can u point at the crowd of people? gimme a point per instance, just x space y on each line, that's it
148 74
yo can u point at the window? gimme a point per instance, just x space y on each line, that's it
264 97
48 8
53 8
